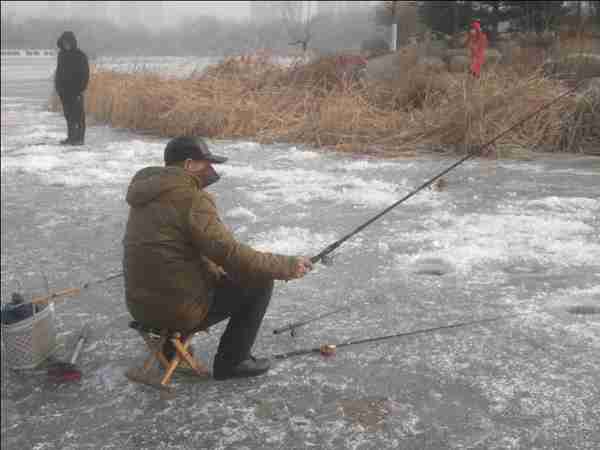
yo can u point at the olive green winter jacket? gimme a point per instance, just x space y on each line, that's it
173 246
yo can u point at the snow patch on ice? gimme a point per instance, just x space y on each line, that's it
113 164
291 241
545 303
363 165
245 146
41 134
580 207
475 239
564 298
522 166
541 168
241 213
299 186
41 161
293 154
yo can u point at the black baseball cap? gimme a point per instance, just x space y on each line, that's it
182 148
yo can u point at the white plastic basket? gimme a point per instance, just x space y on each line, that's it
29 342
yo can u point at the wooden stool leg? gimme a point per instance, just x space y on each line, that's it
154 353
170 370
174 362
156 349
199 368
143 375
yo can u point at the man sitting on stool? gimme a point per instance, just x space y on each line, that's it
185 271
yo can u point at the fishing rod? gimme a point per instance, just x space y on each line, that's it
293 326
323 254
329 349
72 291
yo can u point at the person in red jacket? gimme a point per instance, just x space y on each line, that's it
477 43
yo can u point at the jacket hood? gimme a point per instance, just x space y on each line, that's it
67 36
151 182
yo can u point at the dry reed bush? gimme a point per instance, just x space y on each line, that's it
311 104
577 42
526 60
408 56
247 69
581 128
418 88
484 108
322 75
574 67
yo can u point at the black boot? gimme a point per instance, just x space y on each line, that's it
251 367
245 307
78 136
69 138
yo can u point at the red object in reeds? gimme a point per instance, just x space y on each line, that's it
477 44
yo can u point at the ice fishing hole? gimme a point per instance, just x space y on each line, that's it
584 309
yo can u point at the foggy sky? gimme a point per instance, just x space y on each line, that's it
176 10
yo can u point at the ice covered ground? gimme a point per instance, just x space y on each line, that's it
172 66
507 237
179 67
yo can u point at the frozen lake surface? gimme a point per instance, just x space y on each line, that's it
505 237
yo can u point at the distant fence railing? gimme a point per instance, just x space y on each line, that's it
28 52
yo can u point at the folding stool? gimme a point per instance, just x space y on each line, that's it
155 340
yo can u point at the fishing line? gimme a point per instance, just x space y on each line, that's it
293 326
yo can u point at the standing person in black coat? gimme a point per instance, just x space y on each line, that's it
72 76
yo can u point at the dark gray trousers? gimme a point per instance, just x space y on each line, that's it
74 111
245 308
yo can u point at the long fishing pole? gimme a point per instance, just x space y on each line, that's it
293 326
322 255
74 291
329 348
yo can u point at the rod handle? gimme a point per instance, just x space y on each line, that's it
77 349
63 293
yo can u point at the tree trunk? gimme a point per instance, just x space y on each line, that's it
496 22
455 18
580 15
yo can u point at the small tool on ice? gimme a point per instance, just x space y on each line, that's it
62 372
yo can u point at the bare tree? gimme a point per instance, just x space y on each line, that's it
299 23
403 14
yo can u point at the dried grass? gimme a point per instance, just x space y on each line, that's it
581 127
323 105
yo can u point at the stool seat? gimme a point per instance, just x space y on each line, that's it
155 340
138 326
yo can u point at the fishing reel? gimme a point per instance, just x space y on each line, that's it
292 328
